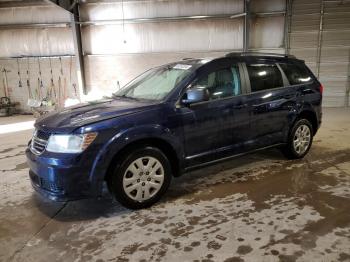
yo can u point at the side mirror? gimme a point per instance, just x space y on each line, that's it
195 95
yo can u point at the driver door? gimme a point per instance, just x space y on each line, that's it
209 126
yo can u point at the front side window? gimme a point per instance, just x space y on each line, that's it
264 76
222 83
296 74
156 83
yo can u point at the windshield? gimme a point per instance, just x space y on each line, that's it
155 84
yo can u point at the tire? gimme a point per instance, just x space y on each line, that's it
300 129
135 183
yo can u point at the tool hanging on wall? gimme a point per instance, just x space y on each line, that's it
75 90
62 88
60 85
5 82
64 82
6 106
61 68
4 88
52 90
32 102
70 78
19 75
37 91
123 17
30 95
40 82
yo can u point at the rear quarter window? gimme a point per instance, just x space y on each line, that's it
296 74
264 76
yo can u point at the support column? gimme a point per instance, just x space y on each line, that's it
347 90
72 7
287 25
246 26
78 50
319 45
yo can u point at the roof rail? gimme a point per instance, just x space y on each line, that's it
259 54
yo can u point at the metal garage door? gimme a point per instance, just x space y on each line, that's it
320 33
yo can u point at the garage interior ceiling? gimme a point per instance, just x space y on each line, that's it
120 39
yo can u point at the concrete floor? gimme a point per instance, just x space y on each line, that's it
259 207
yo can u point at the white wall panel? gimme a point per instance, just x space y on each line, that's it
267 32
103 72
151 9
36 42
201 35
34 14
268 6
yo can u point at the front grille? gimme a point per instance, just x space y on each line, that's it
50 186
42 135
45 184
39 142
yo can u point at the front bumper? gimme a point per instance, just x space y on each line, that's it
60 179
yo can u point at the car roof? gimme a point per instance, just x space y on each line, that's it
240 56
197 63
259 54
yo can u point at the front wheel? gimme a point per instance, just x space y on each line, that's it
299 140
140 178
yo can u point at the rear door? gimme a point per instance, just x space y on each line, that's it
270 102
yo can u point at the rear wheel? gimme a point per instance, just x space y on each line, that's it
140 178
299 140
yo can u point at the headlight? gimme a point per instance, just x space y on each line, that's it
70 143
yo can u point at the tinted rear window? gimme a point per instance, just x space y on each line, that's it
296 74
264 76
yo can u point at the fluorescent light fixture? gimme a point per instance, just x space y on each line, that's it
262 73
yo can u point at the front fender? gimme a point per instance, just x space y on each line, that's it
121 140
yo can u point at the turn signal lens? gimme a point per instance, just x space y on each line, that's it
88 139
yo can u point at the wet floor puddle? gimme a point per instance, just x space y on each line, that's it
238 210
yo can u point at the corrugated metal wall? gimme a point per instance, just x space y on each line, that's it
116 51
320 34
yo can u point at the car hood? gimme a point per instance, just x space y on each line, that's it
70 118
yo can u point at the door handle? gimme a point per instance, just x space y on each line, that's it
289 96
240 106
306 91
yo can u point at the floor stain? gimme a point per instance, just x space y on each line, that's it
242 250
260 206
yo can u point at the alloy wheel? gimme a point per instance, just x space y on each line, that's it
302 138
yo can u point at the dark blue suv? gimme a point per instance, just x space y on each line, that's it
172 119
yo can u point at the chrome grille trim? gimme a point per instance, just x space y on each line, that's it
38 145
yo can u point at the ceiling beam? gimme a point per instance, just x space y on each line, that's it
67 5
9 4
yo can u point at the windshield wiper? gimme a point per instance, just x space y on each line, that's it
115 95
124 96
